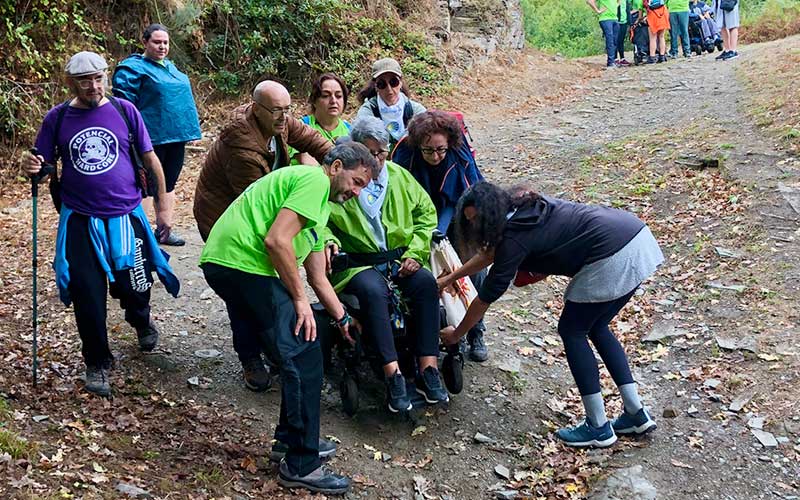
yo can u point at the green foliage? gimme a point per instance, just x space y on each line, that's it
568 27
249 40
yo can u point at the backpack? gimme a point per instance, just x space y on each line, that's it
655 4
140 174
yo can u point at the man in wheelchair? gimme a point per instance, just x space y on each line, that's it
386 233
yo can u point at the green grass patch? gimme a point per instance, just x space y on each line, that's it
14 445
568 27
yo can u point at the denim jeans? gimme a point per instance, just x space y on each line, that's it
679 27
623 34
610 29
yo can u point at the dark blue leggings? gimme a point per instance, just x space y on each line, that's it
581 320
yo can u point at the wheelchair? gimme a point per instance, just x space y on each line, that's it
352 357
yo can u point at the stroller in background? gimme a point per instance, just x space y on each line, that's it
697 42
639 38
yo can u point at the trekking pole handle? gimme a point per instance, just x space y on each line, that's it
46 170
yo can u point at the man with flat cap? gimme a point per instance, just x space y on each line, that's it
103 237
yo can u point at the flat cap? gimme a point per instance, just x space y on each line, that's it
85 63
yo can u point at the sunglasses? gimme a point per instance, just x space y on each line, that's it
393 82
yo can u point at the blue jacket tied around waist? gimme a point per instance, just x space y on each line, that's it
163 96
115 248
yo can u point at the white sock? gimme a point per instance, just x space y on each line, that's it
630 398
595 409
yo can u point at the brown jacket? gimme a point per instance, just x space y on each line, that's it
240 156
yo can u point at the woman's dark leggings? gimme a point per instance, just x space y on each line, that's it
581 320
422 325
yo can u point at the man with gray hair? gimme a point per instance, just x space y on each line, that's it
386 232
103 233
252 145
251 261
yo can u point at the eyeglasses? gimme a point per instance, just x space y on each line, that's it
434 151
89 83
383 153
276 112
393 81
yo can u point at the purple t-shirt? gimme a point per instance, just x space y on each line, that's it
97 173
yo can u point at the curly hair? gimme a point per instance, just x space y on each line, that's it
492 204
316 89
425 124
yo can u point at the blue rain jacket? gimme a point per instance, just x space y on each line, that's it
163 96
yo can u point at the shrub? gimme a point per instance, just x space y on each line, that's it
568 27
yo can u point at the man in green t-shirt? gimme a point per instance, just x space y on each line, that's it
251 261
678 27
606 11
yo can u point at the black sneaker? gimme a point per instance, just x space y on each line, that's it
662 59
97 381
722 56
731 55
650 60
148 336
321 480
478 351
396 393
172 240
430 386
256 376
327 449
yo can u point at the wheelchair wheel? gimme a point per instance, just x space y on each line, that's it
452 372
348 390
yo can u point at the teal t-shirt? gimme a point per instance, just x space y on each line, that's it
237 238
677 5
610 14
341 130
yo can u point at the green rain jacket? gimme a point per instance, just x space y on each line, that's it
408 216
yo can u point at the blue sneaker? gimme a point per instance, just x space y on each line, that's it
430 386
637 424
585 435
396 395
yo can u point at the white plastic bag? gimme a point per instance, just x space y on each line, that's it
457 297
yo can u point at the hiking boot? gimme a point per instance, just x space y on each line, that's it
321 480
148 336
637 424
172 240
731 55
478 351
722 56
396 393
586 435
256 376
327 449
430 386
97 381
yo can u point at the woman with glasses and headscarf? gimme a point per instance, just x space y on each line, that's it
386 232
386 97
437 154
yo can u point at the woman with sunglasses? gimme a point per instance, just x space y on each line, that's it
386 97
607 253
163 95
327 100
437 154
386 232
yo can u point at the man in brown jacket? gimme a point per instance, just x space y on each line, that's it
252 145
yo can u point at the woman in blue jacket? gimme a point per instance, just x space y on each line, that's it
439 157
163 95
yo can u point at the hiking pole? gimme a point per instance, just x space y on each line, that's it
46 170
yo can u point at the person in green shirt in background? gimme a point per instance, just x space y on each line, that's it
606 11
328 100
386 232
624 20
678 27
251 261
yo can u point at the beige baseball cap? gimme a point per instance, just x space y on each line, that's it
386 65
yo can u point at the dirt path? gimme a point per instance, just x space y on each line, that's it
626 138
